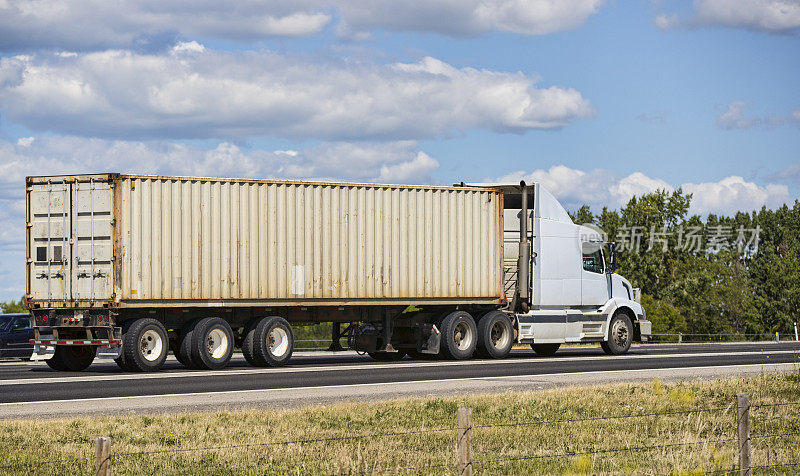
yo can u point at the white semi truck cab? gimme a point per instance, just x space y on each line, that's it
132 267
560 282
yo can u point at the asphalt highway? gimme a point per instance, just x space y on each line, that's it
28 388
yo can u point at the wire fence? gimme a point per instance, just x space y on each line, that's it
735 429
723 337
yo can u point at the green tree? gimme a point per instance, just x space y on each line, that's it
13 307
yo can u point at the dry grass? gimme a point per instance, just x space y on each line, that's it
27 441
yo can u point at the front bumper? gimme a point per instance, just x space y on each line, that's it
645 329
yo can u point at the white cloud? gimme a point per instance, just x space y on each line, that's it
772 16
464 17
154 24
25 141
733 194
151 24
737 116
599 188
199 93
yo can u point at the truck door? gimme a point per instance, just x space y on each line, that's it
594 286
50 259
70 240
91 232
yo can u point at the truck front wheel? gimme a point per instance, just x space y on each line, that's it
459 335
144 346
620 335
495 335
72 358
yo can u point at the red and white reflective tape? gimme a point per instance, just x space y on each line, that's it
76 342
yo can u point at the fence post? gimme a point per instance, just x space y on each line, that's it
743 419
777 337
795 332
463 446
102 456
680 337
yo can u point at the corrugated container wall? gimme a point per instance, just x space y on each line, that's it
206 239
203 241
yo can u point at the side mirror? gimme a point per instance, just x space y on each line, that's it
612 257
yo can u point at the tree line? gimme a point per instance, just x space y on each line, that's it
722 274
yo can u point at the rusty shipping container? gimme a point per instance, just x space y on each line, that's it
122 241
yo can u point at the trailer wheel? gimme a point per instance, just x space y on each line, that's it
269 342
144 345
388 356
620 335
545 350
72 358
184 347
247 342
211 343
459 335
495 335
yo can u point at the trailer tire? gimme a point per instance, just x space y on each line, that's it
272 342
211 343
72 358
388 356
495 335
545 350
459 335
145 345
247 342
184 347
620 334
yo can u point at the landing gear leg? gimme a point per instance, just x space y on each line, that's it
336 335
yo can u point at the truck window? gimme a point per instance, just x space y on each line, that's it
592 257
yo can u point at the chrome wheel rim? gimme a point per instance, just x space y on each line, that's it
619 333
499 335
150 345
462 336
217 343
278 341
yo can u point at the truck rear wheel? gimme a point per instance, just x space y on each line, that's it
72 358
211 344
495 335
620 335
459 335
144 346
545 350
269 342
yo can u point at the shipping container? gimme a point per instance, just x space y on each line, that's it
137 241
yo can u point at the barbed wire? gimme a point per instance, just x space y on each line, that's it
40 463
613 417
602 451
762 405
282 443
776 435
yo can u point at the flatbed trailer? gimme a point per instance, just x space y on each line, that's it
133 266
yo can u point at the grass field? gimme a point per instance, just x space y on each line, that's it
155 444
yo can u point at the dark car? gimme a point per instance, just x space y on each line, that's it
15 334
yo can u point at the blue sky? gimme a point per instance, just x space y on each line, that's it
598 100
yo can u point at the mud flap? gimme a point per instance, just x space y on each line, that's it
42 352
428 338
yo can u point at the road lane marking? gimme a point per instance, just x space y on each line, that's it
182 373
774 367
